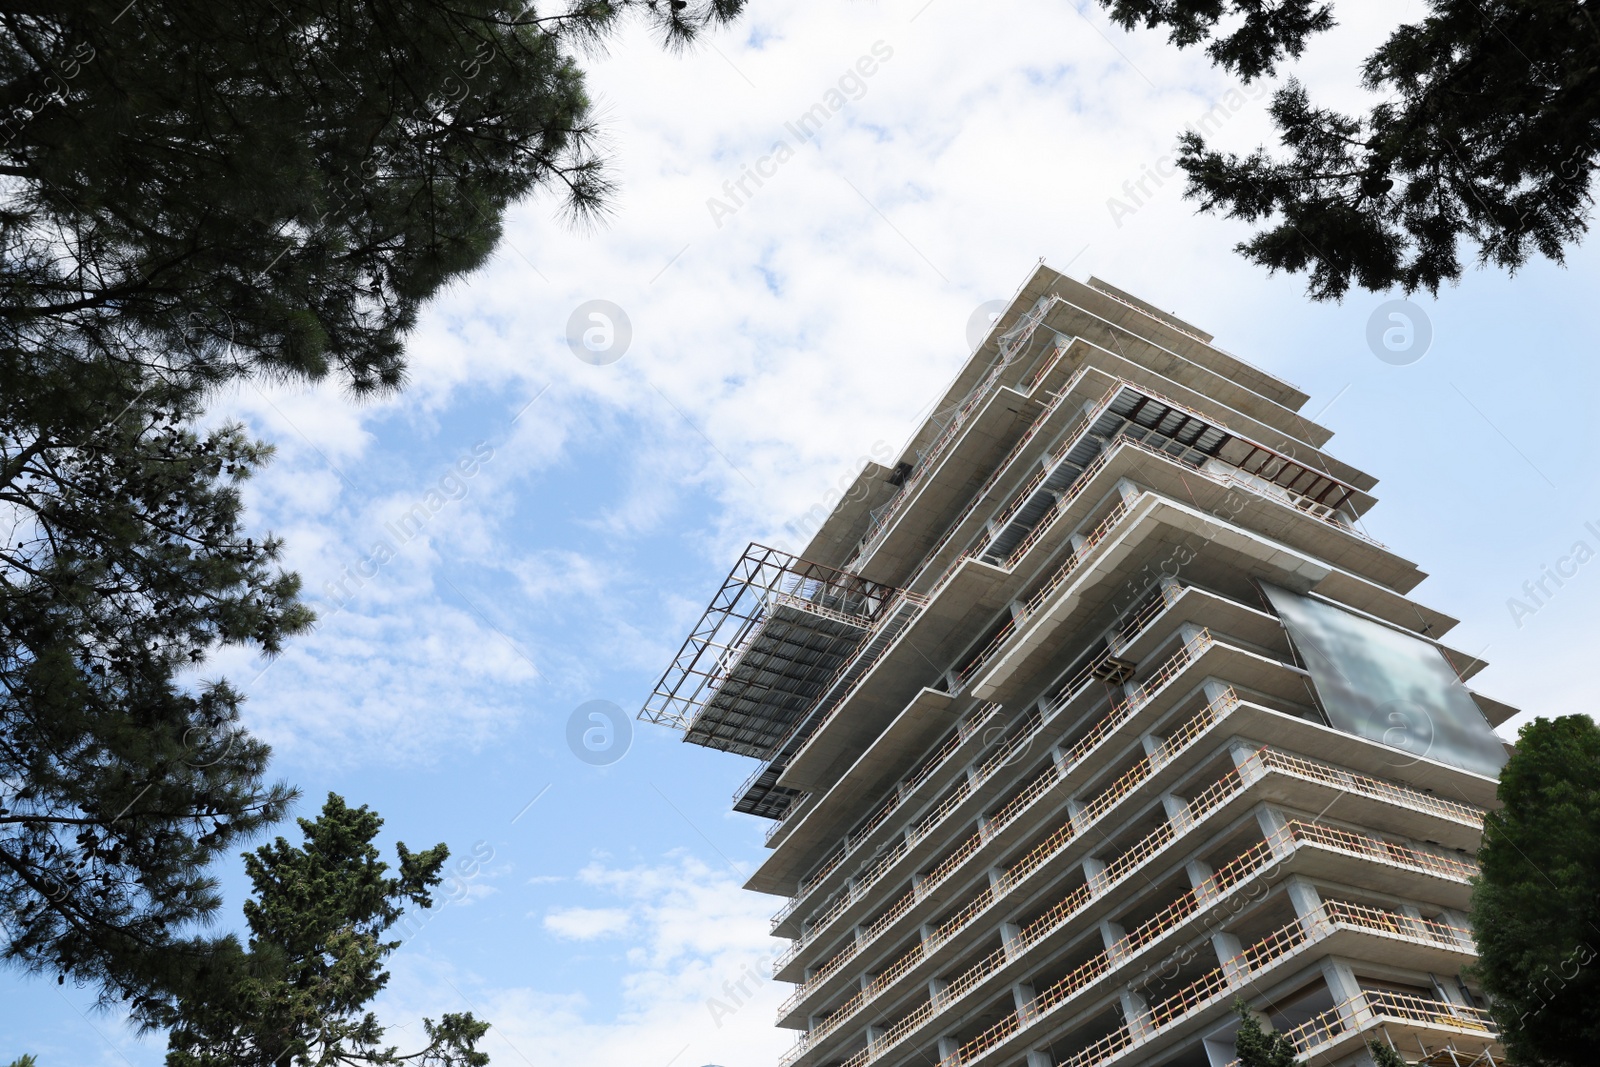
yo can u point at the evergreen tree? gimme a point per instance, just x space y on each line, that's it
278 185
1384 1055
1488 135
298 994
1256 1047
1536 905
196 192
122 777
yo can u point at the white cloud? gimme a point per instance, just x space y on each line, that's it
690 988
586 924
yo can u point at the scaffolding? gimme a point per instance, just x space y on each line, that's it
777 631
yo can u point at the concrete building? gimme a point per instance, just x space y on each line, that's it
1096 712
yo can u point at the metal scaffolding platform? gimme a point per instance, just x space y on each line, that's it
773 637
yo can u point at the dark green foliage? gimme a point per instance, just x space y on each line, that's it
1383 1055
1264 30
1536 906
195 192
1488 135
279 184
1257 1047
298 994
123 565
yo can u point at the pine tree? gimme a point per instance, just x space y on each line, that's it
299 993
278 185
1488 135
1256 1047
1536 905
1384 1055
122 775
197 192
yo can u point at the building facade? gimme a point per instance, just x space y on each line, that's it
1096 713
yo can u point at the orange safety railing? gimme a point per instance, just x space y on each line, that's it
1033 603
897 799
1369 1009
1163 676
1035 858
1332 914
969 404
1293 833
1301 767
1231 975
999 471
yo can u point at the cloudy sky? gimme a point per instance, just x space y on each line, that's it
578 516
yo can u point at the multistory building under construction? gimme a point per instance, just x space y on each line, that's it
1097 713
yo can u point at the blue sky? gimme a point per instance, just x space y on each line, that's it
775 342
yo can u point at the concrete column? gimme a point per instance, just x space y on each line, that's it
1457 919
973 778
926 932
858 933
1188 632
1078 541
1200 876
949 1050
997 877
1177 810
1270 820
1093 870
1341 980
1075 813
1058 756
1304 896
1022 996
874 1036
936 988
1039 1058
1153 748
1111 935
866 980
1227 947
1011 939
1243 756
1132 691
1135 1012
1127 490
1449 991
1215 690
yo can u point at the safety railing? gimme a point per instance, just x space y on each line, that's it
1230 976
970 403
1340 778
1389 852
1293 834
1121 711
1002 470
1129 628
1014 876
790 815
1076 557
889 616
1367 1009
902 794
